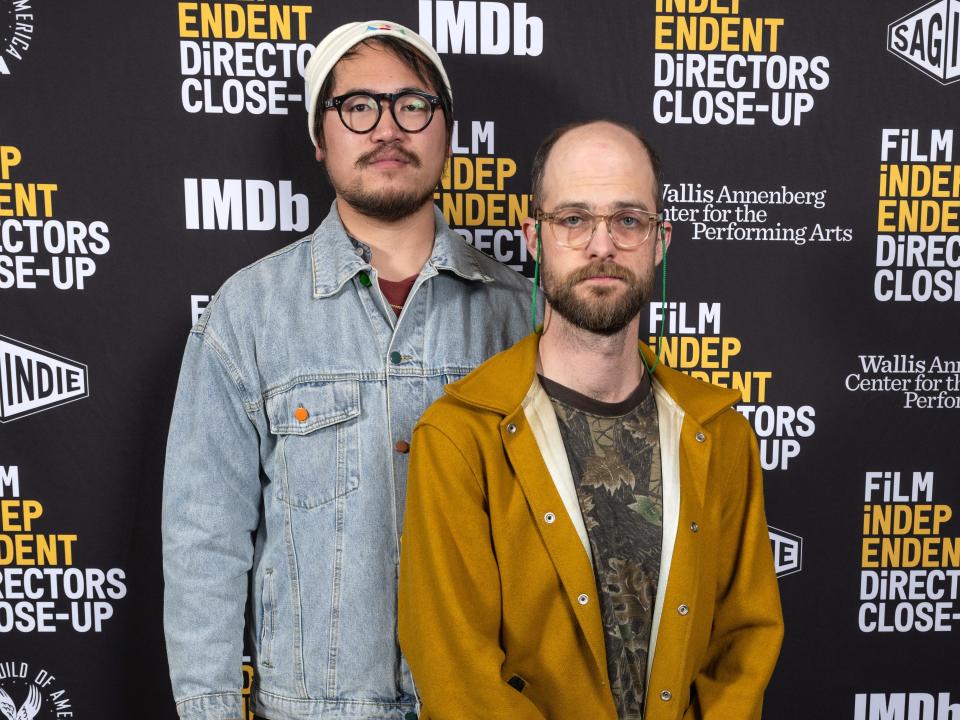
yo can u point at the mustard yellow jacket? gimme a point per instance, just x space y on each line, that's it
499 615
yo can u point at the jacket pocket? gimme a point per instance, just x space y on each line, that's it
316 425
450 376
267 619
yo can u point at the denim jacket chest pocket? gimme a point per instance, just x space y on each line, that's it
318 441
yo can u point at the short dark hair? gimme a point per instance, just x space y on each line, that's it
543 154
425 70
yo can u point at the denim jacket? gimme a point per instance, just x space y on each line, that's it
286 454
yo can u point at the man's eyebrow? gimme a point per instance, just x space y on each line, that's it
628 204
368 91
573 204
617 206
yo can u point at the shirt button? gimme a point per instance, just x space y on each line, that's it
683 609
666 695
583 599
410 716
396 357
364 278
301 414
700 437
694 527
511 428
402 446
549 518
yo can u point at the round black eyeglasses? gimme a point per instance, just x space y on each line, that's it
412 110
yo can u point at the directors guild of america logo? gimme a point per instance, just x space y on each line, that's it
27 693
27 711
33 380
16 32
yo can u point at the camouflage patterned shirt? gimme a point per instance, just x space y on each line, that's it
614 455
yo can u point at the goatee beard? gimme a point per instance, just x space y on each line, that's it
599 313
384 205
389 207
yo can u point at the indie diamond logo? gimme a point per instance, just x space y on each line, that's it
929 39
32 380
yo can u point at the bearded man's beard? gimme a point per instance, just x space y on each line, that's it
603 310
382 204
386 206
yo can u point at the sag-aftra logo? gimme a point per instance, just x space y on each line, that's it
33 380
929 39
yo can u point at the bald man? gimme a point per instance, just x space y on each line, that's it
585 533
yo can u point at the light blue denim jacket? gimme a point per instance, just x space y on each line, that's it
296 384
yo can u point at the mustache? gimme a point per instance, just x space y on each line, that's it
377 154
604 267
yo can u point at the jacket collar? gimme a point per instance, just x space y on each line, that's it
502 382
335 259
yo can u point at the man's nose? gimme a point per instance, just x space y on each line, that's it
387 129
601 239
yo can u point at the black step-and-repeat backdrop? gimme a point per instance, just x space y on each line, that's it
149 150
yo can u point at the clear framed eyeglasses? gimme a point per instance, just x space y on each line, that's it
574 227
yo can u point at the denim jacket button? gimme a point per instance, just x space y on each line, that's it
395 357
301 414
402 447
364 278
410 716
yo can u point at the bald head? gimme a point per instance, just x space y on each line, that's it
595 154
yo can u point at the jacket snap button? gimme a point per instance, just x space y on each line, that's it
402 446
395 357
683 609
694 527
549 518
583 599
301 414
364 278
511 428
700 437
666 695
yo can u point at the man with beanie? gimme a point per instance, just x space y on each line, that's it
300 386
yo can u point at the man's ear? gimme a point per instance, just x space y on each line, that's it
319 151
529 227
663 240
